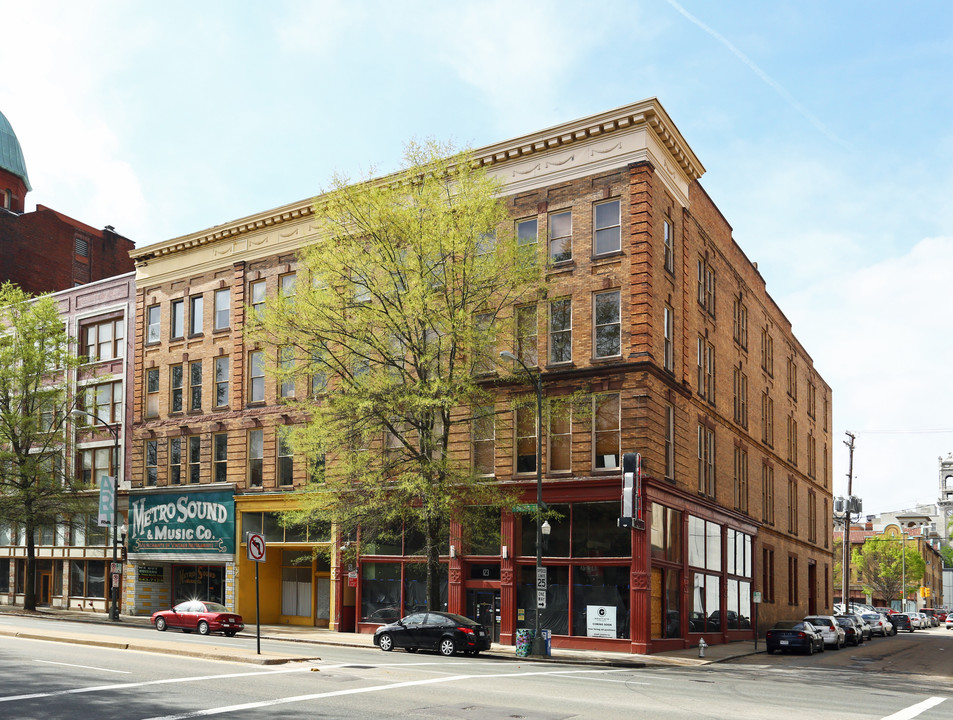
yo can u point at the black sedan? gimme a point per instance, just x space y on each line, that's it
853 634
901 621
441 631
790 635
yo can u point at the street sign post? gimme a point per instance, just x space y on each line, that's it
256 553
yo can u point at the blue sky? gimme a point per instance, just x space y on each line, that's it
825 129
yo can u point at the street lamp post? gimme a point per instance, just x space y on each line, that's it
539 647
903 576
113 589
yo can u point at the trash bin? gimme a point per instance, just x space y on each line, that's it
524 642
547 642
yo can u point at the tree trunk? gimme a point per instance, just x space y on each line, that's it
29 590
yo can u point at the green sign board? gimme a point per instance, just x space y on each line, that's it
197 525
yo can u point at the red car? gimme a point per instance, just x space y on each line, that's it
205 617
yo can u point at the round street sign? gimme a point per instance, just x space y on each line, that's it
256 547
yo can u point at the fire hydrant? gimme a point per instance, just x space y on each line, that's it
701 647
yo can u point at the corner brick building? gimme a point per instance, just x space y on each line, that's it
655 316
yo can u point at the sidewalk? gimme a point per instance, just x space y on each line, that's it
311 638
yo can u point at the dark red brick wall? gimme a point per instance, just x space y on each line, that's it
38 251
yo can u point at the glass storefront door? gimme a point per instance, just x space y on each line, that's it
484 607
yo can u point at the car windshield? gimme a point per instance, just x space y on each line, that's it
872 618
819 622
787 625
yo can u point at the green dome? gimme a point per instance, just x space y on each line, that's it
11 156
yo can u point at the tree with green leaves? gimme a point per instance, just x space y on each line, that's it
393 324
880 563
37 486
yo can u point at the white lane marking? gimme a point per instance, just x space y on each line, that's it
85 667
374 688
168 681
914 710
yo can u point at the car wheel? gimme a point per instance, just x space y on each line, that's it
229 633
447 647
385 642
823 647
840 644
770 651
160 624
203 627
810 648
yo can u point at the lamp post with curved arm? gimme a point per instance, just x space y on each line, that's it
114 431
539 647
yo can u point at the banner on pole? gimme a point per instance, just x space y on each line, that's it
107 496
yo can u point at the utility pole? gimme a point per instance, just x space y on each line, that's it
845 586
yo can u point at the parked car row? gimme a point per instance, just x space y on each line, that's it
815 633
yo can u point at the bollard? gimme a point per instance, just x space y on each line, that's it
701 647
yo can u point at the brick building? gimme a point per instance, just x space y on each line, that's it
654 314
44 250
72 557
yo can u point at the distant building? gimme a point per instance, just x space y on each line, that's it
46 251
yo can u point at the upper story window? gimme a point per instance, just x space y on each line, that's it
526 334
706 286
177 328
606 431
527 231
153 323
256 292
223 301
196 310
740 317
82 246
607 228
560 236
483 440
560 331
152 392
104 401
668 350
668 244
256 376
104 341
286 283
767 352
607 324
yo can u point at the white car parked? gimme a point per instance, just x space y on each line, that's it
833 633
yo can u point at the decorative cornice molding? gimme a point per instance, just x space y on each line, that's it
642 131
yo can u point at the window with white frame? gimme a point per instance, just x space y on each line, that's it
221 380
195 458
104 401
153 323
607 228
152 392
105 340
607 325
256 376
560 331
668 350
175 461
560 236
256 293
196 313
286 362
177 327
668 243
285 460
175 388
706 461
195 385
223 303
256 457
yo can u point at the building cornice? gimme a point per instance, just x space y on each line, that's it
642 131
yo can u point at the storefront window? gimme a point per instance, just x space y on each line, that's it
600 601
87 578
557 544
4 575
555 616
481 527
296 583
415 588
706 612
380 592
198 582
